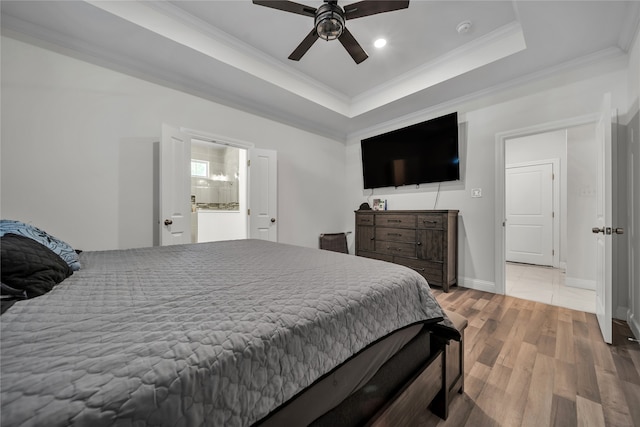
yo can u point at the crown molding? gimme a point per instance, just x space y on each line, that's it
173 23
215 33
498 44
221 49
26 32
612 55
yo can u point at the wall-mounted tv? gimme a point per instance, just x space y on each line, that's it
418 154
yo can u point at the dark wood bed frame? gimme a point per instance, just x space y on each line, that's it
415 396
433 385
423 381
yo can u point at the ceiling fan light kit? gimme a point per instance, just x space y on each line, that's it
329 22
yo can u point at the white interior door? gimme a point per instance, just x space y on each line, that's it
529 213
175 187
603 229
263 197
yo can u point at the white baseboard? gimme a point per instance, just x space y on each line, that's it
479 285
634 324
580 283
621 313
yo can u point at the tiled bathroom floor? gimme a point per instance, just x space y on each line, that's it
547 284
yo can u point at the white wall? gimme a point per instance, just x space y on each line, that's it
545 146
561 96
633 188
78 158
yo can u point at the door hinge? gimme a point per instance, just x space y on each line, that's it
553 214
249 212
248 162
553 176
553 251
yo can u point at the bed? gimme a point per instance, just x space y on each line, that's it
236 333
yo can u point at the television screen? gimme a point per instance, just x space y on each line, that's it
418 154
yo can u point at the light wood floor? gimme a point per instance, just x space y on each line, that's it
533 364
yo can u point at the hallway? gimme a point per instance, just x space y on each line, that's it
547 285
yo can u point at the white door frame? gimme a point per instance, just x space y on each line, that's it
220 139
224 140
500 210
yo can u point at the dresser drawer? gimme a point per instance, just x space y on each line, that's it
432 271
396 248
364 219
402 221
375 255
395 234
430 221
424 240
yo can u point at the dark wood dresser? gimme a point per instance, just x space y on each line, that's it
426 241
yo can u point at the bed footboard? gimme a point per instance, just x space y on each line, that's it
415 396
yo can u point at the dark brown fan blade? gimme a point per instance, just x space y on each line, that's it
304 46
371 7
353 47
287 6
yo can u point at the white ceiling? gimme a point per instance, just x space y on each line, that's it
235 52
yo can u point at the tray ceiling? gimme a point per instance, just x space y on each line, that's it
235 52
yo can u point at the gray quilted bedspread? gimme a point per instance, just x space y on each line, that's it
215 334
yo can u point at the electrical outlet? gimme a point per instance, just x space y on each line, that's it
476 192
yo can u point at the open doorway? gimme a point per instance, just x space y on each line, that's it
549 205
222 165
218 192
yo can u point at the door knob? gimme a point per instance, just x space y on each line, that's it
273 220
168 222
597 230
618 230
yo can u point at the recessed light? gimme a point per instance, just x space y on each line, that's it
380 43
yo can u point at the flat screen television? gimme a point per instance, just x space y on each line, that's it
418 154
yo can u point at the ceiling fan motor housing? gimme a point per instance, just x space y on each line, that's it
329 21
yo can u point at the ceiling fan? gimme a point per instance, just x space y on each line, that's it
329 21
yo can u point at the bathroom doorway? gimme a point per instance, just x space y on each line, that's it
218 191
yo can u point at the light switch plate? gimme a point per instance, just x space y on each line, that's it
476 192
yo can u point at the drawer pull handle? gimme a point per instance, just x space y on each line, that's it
430 222
373 238
394 220
396 249
419 243
418 269
394 234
